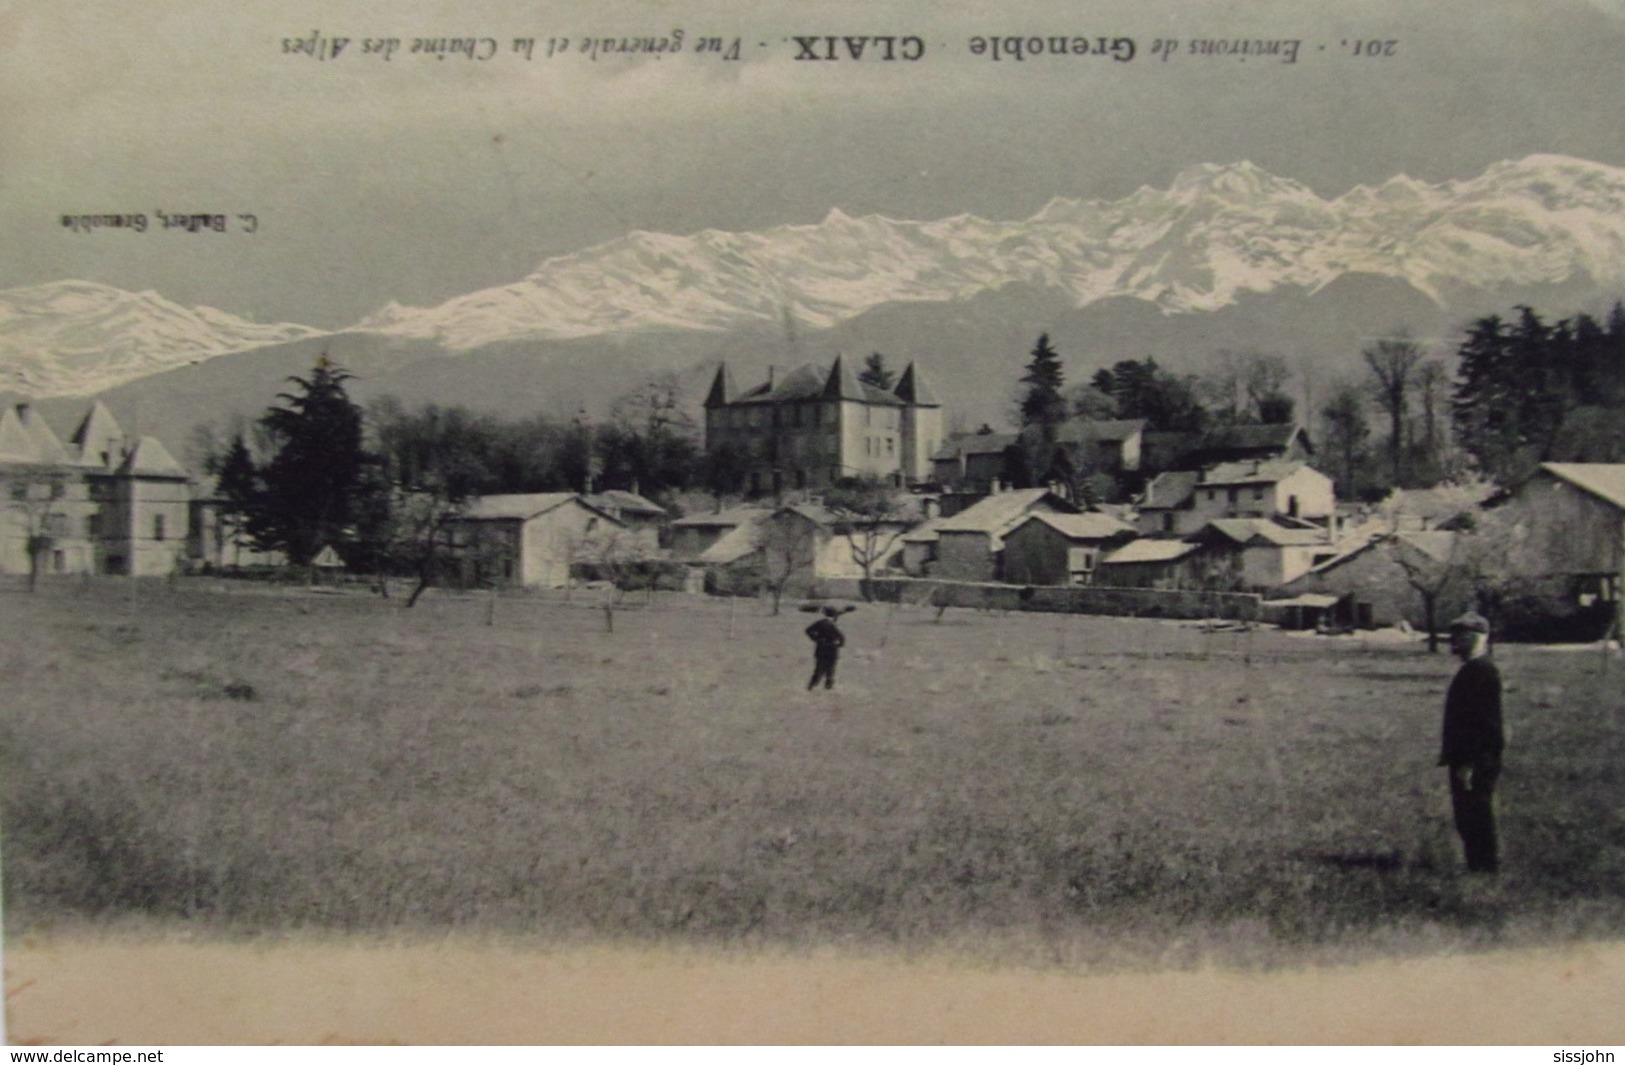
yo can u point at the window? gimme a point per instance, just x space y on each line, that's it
1258 492
1230 496
90 525
157 526
1167 523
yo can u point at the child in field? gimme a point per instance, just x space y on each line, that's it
827 641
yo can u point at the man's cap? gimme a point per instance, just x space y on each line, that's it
1471 621
831 612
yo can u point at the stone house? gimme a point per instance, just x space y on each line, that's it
1047 548
1169 565
970 544
1371 579
1268 554
1561 538
532 540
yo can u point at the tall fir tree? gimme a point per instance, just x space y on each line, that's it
1042 404
312 483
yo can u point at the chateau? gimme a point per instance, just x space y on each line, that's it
102 503
816 426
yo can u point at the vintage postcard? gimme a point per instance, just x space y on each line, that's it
683 521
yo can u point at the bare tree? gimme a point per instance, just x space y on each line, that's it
786 550
1431 576
869 514
36 506
417 535
1346 432
1393 364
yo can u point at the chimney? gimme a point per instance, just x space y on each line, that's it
770 370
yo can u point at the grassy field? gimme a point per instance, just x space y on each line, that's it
1039 788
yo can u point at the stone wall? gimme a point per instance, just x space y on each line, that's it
1117 602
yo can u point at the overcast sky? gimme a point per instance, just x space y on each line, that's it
421 179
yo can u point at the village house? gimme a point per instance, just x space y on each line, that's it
974 464
1172 450
1169 565
1046 548
978 462
832 544
644 519
1112 447
1268 554
694 534
815 427
1562 534
1169 506
1375 581
532 540
103 503
1255 488
970 544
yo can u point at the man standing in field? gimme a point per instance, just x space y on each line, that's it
827 641
1473 741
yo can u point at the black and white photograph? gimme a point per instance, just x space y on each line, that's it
812 523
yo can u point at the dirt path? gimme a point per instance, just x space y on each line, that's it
83 991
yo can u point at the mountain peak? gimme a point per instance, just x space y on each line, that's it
79 337
1232 181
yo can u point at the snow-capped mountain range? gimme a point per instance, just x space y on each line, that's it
79 338
1217 233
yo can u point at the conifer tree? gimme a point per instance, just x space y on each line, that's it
313 480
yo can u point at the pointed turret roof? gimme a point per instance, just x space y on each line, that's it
149 458
722 391
16 442
46 445
911 388
842 383
99 434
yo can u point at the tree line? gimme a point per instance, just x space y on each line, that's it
380 484
1514 393
316 469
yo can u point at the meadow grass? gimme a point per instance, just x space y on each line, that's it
1055 789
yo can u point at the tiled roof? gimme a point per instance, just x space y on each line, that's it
1149 551
737 543
1091 526
1269 471
517 507
976 444
1605 480
149 458
617 500
1247 530
995 514
730 518
1169 490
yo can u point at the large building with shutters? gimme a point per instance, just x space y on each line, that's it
104 502
816 426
